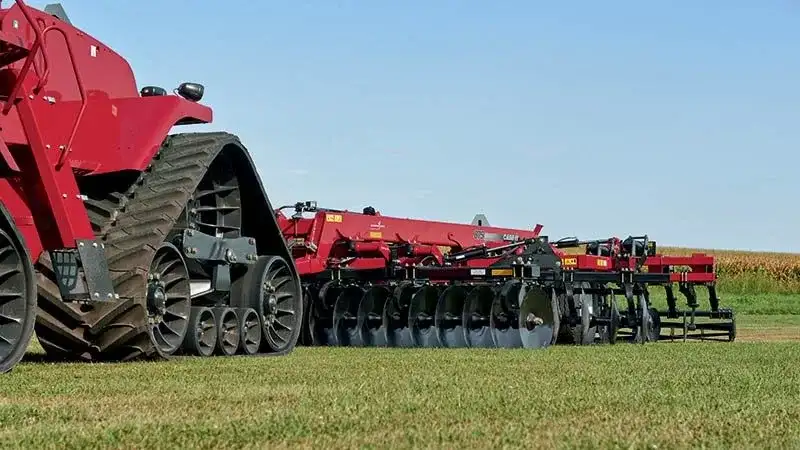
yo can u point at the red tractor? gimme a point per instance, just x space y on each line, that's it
120 242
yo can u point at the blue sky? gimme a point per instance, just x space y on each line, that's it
678 119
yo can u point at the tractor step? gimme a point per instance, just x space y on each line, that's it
12 48
82 273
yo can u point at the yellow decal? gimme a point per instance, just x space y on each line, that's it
335 218
602 263
375 235
502 272
570 262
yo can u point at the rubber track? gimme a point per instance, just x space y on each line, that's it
132 225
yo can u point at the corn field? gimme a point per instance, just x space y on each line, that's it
743 272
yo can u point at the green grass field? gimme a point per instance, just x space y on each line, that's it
664 395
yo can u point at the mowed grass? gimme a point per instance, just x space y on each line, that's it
664 395
744 394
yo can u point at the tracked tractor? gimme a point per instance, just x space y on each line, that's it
119 241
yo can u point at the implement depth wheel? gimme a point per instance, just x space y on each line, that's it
17 300
168 300
276 295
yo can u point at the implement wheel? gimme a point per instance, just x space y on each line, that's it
17 299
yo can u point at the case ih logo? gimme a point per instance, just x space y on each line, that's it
481 235
377 226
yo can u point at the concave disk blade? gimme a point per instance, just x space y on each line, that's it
448 319
475 319
538 323
395 316
421 314
322 322
504 322
345 317
370 316
588 306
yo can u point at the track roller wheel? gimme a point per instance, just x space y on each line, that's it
345 317
228 331
250 330
169 300
17 300
448 319
421 317
538 316
277 298
475 318
370 316
395 315
201 339
504 319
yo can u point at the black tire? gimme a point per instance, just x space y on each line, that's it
17 299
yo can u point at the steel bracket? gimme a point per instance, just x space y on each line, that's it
82 274
197 245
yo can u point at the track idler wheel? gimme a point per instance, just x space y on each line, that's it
370 316
346 332
395 315
169 300
475 318
17 299
250 326
201 338
277 297
538 316
421 317
228 331
448 321
504 320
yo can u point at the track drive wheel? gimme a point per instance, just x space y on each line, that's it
275 294
17 300
169 300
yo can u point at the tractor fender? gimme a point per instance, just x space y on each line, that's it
144 124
